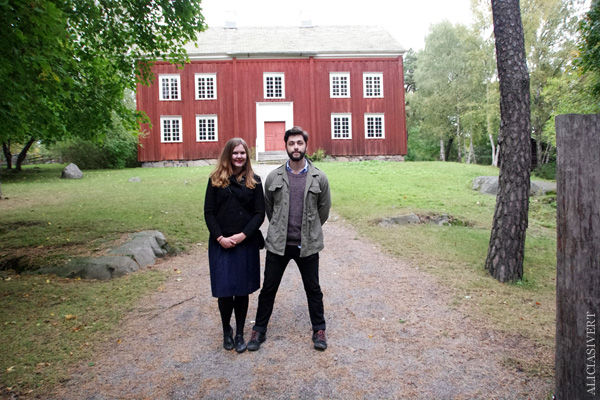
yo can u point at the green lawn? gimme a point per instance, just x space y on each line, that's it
44 220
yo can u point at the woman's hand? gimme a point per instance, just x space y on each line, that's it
226 242
238 237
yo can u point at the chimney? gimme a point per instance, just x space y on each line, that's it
305 19
230 20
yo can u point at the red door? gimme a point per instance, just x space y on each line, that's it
274 132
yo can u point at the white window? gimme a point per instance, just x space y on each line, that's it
373 84
339 84
170 129
206 86
341 126
207 128
374 126
274 85
170 87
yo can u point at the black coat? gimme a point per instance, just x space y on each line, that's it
234 209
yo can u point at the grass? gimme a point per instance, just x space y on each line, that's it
58 217
364 193
46 219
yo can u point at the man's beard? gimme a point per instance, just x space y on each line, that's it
296 158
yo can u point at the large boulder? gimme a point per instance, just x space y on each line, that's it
140 251
71 171
401 220
541 188
486 184
102 268
489 185
143 247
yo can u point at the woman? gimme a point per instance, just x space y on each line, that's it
234 210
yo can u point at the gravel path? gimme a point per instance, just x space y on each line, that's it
391 332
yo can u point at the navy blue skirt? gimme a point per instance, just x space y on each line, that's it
234 271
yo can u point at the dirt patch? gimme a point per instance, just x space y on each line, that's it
392 334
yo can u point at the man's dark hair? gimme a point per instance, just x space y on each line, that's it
296 130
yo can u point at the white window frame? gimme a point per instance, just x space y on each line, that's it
340 136
171 118
170 97
205 137
210 79
339 92
369 87
266 85
375 116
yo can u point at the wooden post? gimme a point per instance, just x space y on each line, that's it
578 257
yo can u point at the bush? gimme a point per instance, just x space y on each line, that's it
546 171
117 150
317 155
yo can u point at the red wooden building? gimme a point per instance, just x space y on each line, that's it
343 84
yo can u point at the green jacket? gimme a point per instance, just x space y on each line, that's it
317 202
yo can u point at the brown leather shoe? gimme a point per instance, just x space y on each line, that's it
320 340
255 340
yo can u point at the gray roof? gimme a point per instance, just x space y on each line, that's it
295 41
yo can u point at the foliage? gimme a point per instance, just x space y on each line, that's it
410 61
450 76
568 93
64 65
317 155
117 150
589 46
420 147
445 107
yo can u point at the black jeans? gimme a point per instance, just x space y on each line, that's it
274 268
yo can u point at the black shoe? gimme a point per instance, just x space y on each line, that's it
240 344
228 339
255 340
319 340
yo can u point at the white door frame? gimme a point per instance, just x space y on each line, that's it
271 112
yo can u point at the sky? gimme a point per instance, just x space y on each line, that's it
407 21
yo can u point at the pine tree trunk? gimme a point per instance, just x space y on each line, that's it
507 240
7 154
23 153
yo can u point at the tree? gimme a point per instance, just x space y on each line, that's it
507 241
589 46
449 81
550 28
64 64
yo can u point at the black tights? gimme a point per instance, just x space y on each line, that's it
227 305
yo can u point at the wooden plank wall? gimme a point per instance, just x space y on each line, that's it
240 87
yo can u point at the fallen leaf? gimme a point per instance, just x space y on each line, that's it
10 369
69 317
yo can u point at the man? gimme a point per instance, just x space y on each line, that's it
297 203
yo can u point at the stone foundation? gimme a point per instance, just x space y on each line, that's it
212 161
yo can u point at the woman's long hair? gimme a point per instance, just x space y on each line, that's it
220 176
